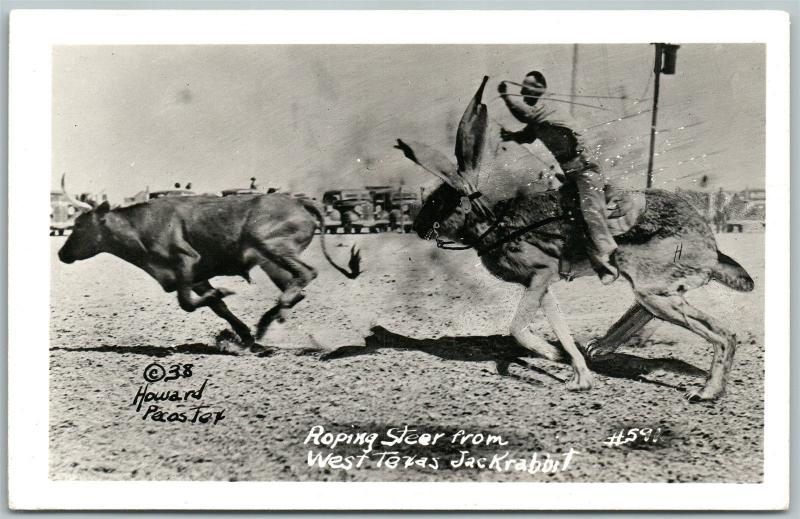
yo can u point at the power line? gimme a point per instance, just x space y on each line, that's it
640 112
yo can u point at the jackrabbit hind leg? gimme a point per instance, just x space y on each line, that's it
675 309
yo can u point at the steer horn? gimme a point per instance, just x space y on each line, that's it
83 206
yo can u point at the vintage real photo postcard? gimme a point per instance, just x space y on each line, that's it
394 260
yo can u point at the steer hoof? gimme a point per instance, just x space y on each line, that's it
223 292
229 342
260 350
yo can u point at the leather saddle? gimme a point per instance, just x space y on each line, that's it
623 209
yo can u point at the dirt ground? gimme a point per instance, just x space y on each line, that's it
436 360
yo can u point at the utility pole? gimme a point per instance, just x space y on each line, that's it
666 54
574 78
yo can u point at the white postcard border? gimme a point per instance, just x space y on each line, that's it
33 33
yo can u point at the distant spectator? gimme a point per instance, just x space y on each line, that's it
395 219
720 211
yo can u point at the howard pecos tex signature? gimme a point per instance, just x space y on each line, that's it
174 405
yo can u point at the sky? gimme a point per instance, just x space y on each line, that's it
310 118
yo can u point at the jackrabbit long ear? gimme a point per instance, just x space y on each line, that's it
430 159
471 135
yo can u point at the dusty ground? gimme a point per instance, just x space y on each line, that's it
110 320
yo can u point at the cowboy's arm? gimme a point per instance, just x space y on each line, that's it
532 116
525 136
523 112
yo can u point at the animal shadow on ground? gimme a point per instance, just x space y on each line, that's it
227 343
504 351
151 351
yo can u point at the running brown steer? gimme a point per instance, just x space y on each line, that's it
183 242
667 251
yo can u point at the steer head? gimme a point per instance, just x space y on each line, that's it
88 232
446 209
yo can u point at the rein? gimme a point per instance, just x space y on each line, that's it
520 232
450 245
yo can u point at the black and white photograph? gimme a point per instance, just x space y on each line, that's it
409 262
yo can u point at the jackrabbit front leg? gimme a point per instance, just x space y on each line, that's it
537 296
582 378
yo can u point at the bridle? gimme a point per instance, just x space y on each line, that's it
466 207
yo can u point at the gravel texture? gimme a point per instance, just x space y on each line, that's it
436 358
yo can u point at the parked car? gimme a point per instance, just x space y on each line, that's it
355 208
170 192
62 213
241 191
404 208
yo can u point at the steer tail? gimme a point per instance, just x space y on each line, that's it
355 254
731 274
